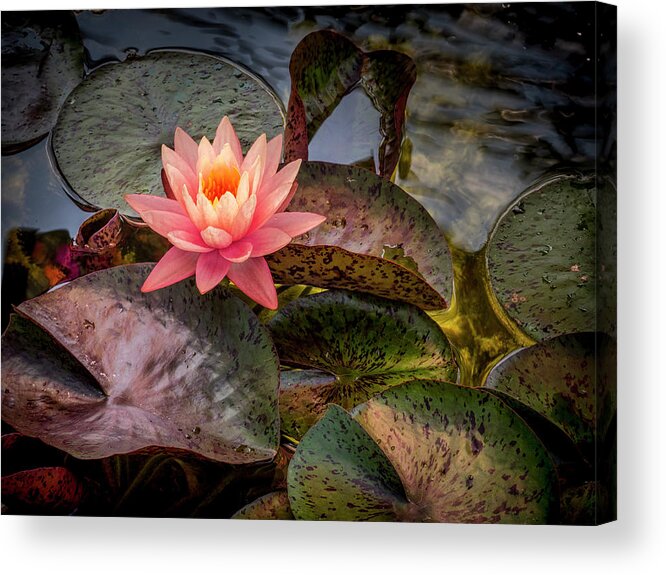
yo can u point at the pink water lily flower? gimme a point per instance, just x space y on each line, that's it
225 212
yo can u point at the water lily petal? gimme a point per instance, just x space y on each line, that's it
287 200
226 134
243 220
268 205
216 238
188 242
226 210
273 156
206 156
285 176
253 277
186 148
295 223
256 151
168 191
170 159
166 222
207 211
175 265
143 203
192 210
267 240
211 269
243 190
237 252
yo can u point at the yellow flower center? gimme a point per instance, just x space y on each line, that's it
220 179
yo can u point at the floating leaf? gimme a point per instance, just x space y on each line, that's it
339 473
326 66
462 456
274 505
106 239
108 137
542 259
567 380
376 239
171 369
353 347
46 490
42 60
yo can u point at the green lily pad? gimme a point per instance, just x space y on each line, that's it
352 347
326 66
568 380
542 259
97 368
461 456
42 61
109 134
376 239
339 473
274 505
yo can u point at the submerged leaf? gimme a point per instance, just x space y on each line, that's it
351 347
46 490
42 60
97 368
108 138
376 239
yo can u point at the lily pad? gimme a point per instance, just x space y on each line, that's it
542 259
352 347
376 239
461 456
568 381
339 473
274 505
109 134
106 239
46 490
97 368
42 61
326 66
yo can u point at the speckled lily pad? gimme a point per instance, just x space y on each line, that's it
45 490
424 451
274 505
350 347
109 134
97 368
568 380
376 239
541 259
42 60
326 66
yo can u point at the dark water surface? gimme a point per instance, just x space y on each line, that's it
505 95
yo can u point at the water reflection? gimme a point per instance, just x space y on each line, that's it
504 93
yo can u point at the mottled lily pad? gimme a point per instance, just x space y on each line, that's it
42 61
339 473
568 381
326 66
109 134
351 346
541 259
97 368
274 505
107 239
44 490
376 239
459 455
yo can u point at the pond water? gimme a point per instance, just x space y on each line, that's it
504 96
